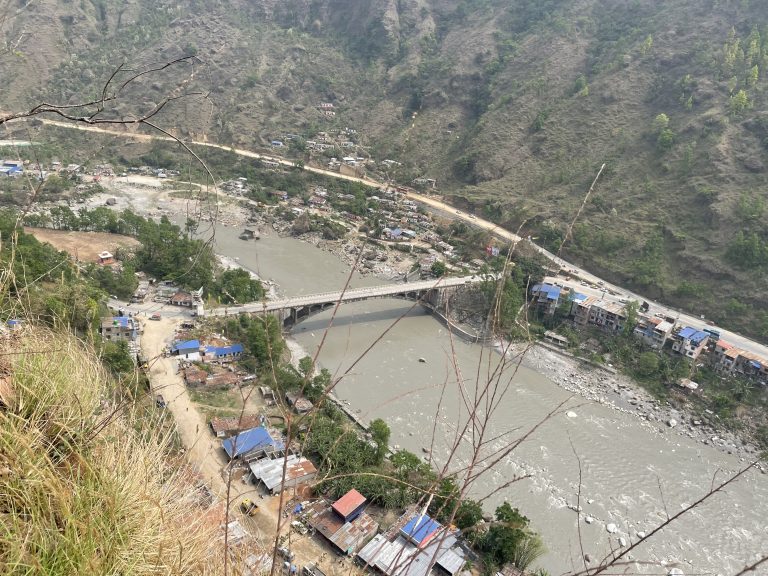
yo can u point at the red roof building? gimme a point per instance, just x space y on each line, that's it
350 505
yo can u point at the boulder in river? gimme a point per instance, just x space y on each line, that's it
571 414
671 422
611 528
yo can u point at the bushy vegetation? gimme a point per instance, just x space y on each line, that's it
82 491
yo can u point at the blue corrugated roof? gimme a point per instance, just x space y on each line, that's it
420 527
576 297
253 439
687 332
188 345
699 336
224 350
552 292
120 321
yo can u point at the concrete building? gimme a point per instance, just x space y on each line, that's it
610 316
654 331
690 342
546 297
118 328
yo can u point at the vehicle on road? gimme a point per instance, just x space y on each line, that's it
285 553
249 507
156 316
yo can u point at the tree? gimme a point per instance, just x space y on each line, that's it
739 103
117 357
648 364
236 286
438 268
380 433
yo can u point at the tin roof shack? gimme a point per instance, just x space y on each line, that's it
298 402
182 298
269 472
401 557
223 353
344 523
225 427
350 506
252 443
189 350
105 259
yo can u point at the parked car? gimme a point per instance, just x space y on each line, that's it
285 553
156 316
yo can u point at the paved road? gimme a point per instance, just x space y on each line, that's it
470 219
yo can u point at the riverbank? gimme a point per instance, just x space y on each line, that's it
624 395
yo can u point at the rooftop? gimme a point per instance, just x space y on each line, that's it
186 345
420 529
348 503
250 440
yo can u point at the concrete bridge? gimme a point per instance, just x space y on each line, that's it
432 294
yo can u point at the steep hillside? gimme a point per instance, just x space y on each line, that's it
511 105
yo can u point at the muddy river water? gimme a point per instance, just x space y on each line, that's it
631 477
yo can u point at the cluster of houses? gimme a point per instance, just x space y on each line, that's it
11 167
415 545
658 332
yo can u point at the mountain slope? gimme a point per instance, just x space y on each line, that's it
511 106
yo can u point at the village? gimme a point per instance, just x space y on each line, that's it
245 422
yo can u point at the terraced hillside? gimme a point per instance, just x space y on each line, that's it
511 105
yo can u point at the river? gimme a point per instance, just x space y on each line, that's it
632 477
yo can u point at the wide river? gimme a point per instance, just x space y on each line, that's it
632 477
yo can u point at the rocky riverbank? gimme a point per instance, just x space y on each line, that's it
623 394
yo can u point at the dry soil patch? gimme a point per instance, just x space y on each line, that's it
84 246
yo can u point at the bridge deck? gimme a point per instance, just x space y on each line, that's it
351 295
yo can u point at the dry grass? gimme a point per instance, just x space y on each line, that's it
81 492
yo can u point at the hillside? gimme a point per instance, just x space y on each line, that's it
511 106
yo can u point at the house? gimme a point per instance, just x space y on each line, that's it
105 259
420 530
256 441
223 353
224 427
279 194
325 106
654 331
546 297
350 506
556 339
348 531
400 557
118 328
277 474
189 350
610 316
181 298
580 310
689 342
349 170
298 402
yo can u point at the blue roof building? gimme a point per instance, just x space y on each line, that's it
250 441
224 352
420 530
189 349
547 297
690 342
